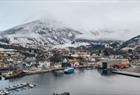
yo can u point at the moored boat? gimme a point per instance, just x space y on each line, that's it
13 74
4 92
2 78
69 70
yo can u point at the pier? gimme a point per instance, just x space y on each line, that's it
7 91
133 74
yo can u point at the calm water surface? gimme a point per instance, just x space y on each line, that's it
82 82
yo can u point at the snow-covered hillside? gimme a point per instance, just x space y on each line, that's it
39 33
51 33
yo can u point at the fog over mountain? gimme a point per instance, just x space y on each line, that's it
109 19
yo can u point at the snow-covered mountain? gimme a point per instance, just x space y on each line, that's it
51 33
39 33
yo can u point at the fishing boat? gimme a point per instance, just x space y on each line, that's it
2 78
68 70
13 74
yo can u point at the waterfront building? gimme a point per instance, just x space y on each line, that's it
113 62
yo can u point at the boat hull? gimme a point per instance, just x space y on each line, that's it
17 73
69 70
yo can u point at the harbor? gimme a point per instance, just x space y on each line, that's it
91 83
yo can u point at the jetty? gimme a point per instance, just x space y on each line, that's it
7 91
32 72
133 74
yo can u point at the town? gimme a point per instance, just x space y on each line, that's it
19 62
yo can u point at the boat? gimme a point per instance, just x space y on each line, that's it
31 85
4 92
13 74
2 78
68 70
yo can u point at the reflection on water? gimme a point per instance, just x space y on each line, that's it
81 82
58 73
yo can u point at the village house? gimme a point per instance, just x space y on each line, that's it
9 57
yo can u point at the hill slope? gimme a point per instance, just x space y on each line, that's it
133 42
38 33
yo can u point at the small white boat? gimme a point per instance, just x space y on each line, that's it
4 92
31 85
2 78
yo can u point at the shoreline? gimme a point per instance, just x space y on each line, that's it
29 72
37 71
127 73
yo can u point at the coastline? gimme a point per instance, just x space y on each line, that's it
93 66
32 72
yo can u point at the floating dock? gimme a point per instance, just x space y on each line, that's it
133 74
7 91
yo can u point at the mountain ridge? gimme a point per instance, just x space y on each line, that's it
50 33
38 33
133 42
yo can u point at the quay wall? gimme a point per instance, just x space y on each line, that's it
133 74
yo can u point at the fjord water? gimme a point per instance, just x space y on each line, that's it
81 82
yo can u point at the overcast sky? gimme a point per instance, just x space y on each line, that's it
80 14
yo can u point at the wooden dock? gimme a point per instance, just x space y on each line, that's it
7 91
133 74
29 72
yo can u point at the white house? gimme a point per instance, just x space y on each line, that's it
44 64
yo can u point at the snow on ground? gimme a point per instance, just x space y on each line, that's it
69 44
